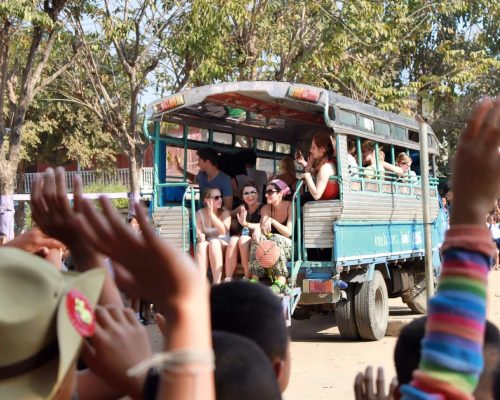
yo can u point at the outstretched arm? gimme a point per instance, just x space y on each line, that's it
452 356
55 217
155 270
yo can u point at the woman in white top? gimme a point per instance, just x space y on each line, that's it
212 231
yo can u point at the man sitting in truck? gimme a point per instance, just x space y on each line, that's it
210 175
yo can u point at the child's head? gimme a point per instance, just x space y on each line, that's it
408 347
3 238
242 370
44 315
287 165
253 311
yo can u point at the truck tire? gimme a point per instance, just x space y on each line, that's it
344 314
416 297
371 307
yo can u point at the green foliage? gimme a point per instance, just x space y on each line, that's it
106 188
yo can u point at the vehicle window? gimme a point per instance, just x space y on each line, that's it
347 118
366 123
413 136
223 138
266 164
382 128
399 133
264 145
244 142
283 148
198 134
192 161
171 129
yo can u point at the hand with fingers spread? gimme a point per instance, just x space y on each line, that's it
476 177
119 343
159 272
54 215
364 386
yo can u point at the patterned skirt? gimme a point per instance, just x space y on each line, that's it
279 268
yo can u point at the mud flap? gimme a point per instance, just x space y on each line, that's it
289 302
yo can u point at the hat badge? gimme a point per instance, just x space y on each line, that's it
80 313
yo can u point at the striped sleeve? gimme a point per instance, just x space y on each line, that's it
452 357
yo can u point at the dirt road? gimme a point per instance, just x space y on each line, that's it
324 365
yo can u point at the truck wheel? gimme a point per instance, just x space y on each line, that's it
372 308
344 313
416 297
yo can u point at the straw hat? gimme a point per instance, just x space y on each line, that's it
44 314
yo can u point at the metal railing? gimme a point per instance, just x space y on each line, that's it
89 178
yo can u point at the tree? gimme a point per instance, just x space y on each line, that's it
118 58
28 34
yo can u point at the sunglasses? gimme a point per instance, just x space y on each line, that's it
249 193
270 192
218 197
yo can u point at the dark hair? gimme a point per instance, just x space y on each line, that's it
248 184
208 154
242 370
252 311
248 157
408 348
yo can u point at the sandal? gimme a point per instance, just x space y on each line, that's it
277 287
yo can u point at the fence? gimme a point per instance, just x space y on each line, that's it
117 177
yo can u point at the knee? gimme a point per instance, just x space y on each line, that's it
214 245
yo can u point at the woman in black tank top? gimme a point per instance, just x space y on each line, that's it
275 225
246 217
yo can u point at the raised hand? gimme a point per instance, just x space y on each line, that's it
119 343
54 215
300 158
476 177
151 268
242 215
364 386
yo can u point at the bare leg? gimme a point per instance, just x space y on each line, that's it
231 257
216 257
201 257
244 246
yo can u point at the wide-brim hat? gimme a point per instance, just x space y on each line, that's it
44 315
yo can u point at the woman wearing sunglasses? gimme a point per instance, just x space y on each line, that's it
247 216
275 225
212 231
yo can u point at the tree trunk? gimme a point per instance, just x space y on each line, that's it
7 176
20 213
135 173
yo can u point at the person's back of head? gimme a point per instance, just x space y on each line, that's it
242 370
248 157
251 310
209 154
408 348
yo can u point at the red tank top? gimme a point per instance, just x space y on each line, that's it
331 191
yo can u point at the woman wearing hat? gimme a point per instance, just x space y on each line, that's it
275 227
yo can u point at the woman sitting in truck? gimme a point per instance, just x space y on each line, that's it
248 219
276 226
373 167
287 174
318 169
212 231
